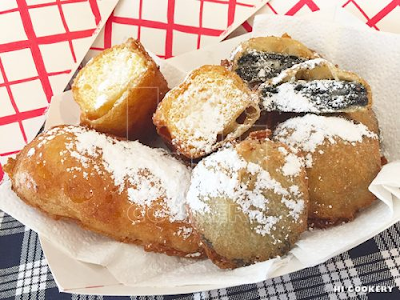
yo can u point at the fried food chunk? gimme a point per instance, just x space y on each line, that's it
342 158
259 59
120 189
210 108
249 202
315 86
118 91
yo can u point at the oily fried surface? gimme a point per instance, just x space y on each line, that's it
228 236
339 180
366 117
130 116
51 179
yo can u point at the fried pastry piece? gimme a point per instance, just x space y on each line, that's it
210 108
262 58
249 202
342 158
120 189
118 91
315 86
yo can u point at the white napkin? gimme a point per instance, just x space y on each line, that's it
386 185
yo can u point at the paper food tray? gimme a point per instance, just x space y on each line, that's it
75 255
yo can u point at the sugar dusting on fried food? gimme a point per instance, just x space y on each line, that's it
342 158
121 189
249 202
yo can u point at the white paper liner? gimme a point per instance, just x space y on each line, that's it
130 265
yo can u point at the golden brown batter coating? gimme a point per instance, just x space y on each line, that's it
342 159
118 91
249 202
121 189
366 117
210 108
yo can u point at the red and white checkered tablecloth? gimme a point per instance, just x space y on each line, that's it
41 43
40 39
383 15
172 27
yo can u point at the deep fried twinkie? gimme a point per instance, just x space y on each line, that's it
121 189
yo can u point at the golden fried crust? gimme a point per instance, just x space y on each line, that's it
339 180
366 117
342 159
271 44
228 236
130 116
50 179
236 107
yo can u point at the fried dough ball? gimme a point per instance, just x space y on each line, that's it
342 158
249 202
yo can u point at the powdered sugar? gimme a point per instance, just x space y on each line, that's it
44 139
292 166
220 175
293 163
30 152
147 174
25 180
285 99
308 132
289 74
316 96
296 208
287 93
205 109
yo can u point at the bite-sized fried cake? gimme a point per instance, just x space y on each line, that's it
210 108
249 202
121 189
262 58
118 91
315 86
342 158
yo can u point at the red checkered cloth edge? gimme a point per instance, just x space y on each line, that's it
29 64
177 27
